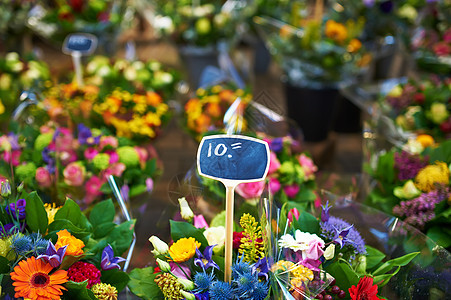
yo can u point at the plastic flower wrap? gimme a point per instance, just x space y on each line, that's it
16 75
323 258
314 53
60 162
413 183
192 265
60 252
199 23
205 112
421 107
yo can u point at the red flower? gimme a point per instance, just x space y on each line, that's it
365 290
237 239
442 49
80 271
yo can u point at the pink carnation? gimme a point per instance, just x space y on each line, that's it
74 174
114 158
43 177
274 163
250 190
90 153
291 190
116 169
308 166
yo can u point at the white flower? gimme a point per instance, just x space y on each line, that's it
185 210
164 266
164 23
187 284
413 146
160 247
216 236
300 242
330 252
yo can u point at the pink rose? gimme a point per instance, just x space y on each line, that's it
274 185
93 186
142 154
308 166
12 157
199 222
108 141
74 174
294 212
116 169
90 153
315 250
43 177
250 190
274 163
291 190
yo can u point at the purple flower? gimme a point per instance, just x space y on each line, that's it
202 296
17 210
205 260
276 144
149 184
8 229
85 136
125 192
262 268
340 231
409 165
14 141
109 261
325 212
48 159
369 3
53 257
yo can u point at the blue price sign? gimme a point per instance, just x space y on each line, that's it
83 43
233 158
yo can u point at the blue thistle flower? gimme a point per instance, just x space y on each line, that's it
40 246
245 283
220 290
260 291
240 267
21 245
203 281
353 239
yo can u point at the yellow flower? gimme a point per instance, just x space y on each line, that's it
51 210
354 45
425 140
74 245
301 273
2 107
282 265
431 176
183 249
336 31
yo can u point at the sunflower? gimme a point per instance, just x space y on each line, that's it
32 280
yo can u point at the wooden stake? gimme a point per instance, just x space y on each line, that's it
229 232
319 7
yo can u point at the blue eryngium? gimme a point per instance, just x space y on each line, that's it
109 261
52 256
205 260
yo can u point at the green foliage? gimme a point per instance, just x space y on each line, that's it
78 291
308 223
72 212
36 216
185 230
101 218
116 278
344 274
374 257
142 284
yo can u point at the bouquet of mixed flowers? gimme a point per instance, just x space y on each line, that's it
413 183
205 112
324 258
59 252
16 75
314 52
421 106
192 266
199 23
56 19
60 162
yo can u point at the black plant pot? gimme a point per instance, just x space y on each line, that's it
347 117
196 59
312 109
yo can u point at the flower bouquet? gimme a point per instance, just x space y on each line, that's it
59 252
16 75
192 266
324 258
421 106
60 162
413 183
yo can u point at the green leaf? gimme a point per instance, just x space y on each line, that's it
385 167
440 236
142 284
185 230
344 275
308 223
390 264
36 216
306 195
102 212
121 237
69 260
374 257
78 290
382 280
58 225
71 211
116 278
4 265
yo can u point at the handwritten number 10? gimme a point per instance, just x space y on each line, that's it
218 150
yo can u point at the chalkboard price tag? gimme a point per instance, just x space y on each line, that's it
83 43
233 158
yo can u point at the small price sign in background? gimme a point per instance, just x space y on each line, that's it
232 159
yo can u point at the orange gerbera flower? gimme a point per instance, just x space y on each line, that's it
32 280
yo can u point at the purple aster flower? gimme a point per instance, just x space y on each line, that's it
85 136
276 144
420 210
205 260
53 257
325 212
408 165
386 6
109 261
261 267
17 210
334 227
